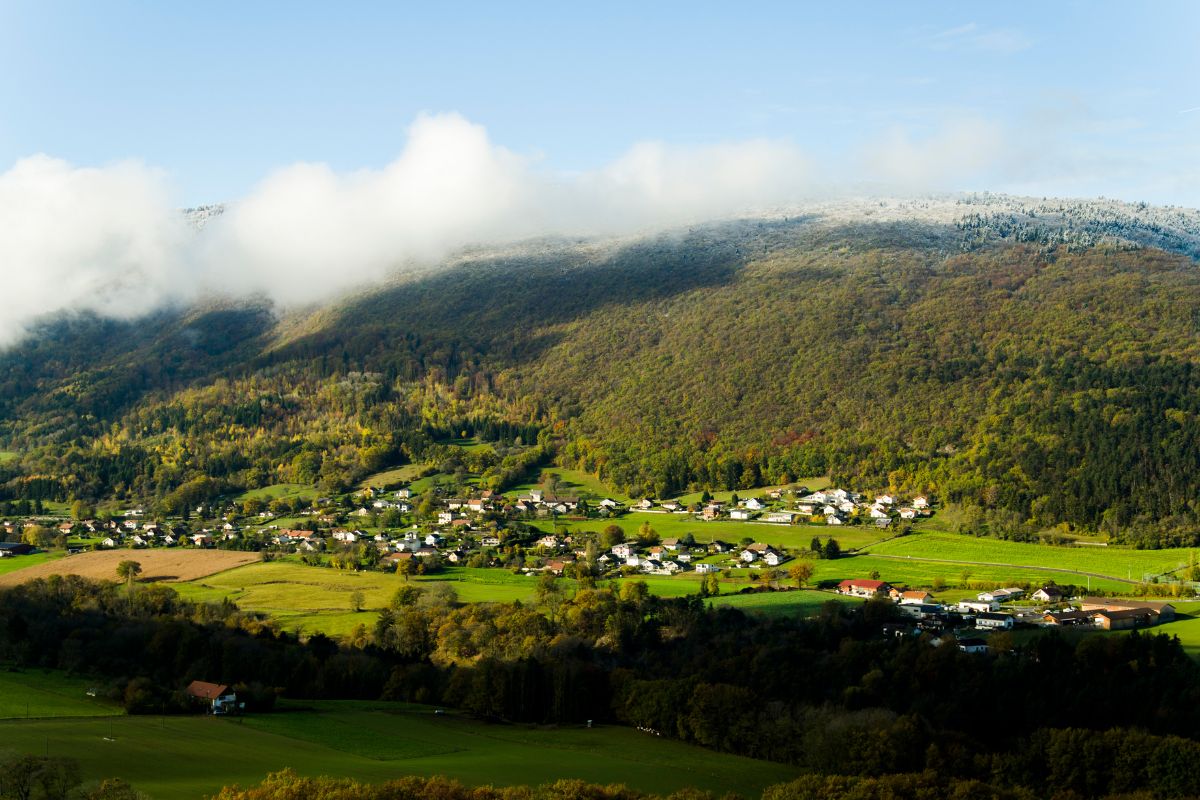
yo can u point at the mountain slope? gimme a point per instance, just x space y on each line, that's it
1033 357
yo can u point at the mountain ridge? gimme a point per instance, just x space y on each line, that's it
1016 367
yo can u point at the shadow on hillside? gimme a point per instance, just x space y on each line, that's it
508 307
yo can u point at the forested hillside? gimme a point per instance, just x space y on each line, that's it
1038 361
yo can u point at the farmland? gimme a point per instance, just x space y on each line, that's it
375 742
157 565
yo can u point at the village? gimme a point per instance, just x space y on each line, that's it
399 530
396 529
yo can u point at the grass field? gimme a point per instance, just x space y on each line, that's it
157 565
318 598
925 573
184 758
390 477
33 693
278 491
1113 561
803 603
8 455
572 482
15 563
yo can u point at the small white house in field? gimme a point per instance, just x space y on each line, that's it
705 569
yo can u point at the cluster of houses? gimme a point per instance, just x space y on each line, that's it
837 506
670 557
986 612
833 506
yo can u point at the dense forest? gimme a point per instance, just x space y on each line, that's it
862 714
1048 372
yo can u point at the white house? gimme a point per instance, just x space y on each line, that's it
704 569
885 500
993 620
754 504
978 606
740 513
920 501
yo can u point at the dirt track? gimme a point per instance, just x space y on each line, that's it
157 565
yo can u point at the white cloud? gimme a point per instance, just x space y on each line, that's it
104 240
959 152
111 240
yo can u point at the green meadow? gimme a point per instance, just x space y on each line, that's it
279 491
14 563
571 482
37 693
310 599
184 758
391 477
801 603
1117 562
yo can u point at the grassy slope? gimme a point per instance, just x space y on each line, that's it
33 693
182 758
1114 561
278 491
798 603
389 477
317 598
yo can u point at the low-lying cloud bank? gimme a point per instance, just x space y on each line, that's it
112 241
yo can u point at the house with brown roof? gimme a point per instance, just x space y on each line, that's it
1163 612
217 697
863 588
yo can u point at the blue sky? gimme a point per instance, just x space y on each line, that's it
1071 98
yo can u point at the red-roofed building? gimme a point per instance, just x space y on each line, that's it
863 588
219 698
